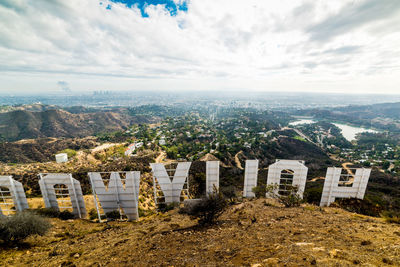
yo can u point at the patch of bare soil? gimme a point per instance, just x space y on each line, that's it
211 157
103 147
237 160
248 234
161 157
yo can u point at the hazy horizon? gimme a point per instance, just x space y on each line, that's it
263 100
209 92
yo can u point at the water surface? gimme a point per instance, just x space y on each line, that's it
350 132
302 121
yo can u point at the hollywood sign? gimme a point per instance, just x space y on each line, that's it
120 190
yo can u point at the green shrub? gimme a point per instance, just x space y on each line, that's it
113 215
361 206
163 207
259 191
54 213
70 152
208 209
66 215
230 192
93 214
142 213
18 227
391 216
313 195
47 212
289 198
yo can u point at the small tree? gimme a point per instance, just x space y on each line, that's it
289 198
386 165
113 215
208 209
259 191
230 192
18 227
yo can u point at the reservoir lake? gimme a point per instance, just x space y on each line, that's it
348 132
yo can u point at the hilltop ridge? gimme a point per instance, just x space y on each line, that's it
253 233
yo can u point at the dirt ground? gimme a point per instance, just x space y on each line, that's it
252 233
38 202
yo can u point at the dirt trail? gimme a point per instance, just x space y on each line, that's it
344 166
211 157
347 168
349 171
317 178
237 160
103 147
161 157
82 157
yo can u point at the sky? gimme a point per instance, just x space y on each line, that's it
341 46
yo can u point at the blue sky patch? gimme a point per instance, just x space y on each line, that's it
142 4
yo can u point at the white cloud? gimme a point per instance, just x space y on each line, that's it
342 46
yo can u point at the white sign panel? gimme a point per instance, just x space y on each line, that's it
51 185
250 178
61 158
116 195
171 189
12 196
212 176
332 189
294 168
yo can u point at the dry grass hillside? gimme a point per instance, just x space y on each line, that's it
253 233
41 150
23 124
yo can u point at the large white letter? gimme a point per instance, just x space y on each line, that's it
63 186
12 194
250 178
115 196
286 173
171 189
332 189
212 176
